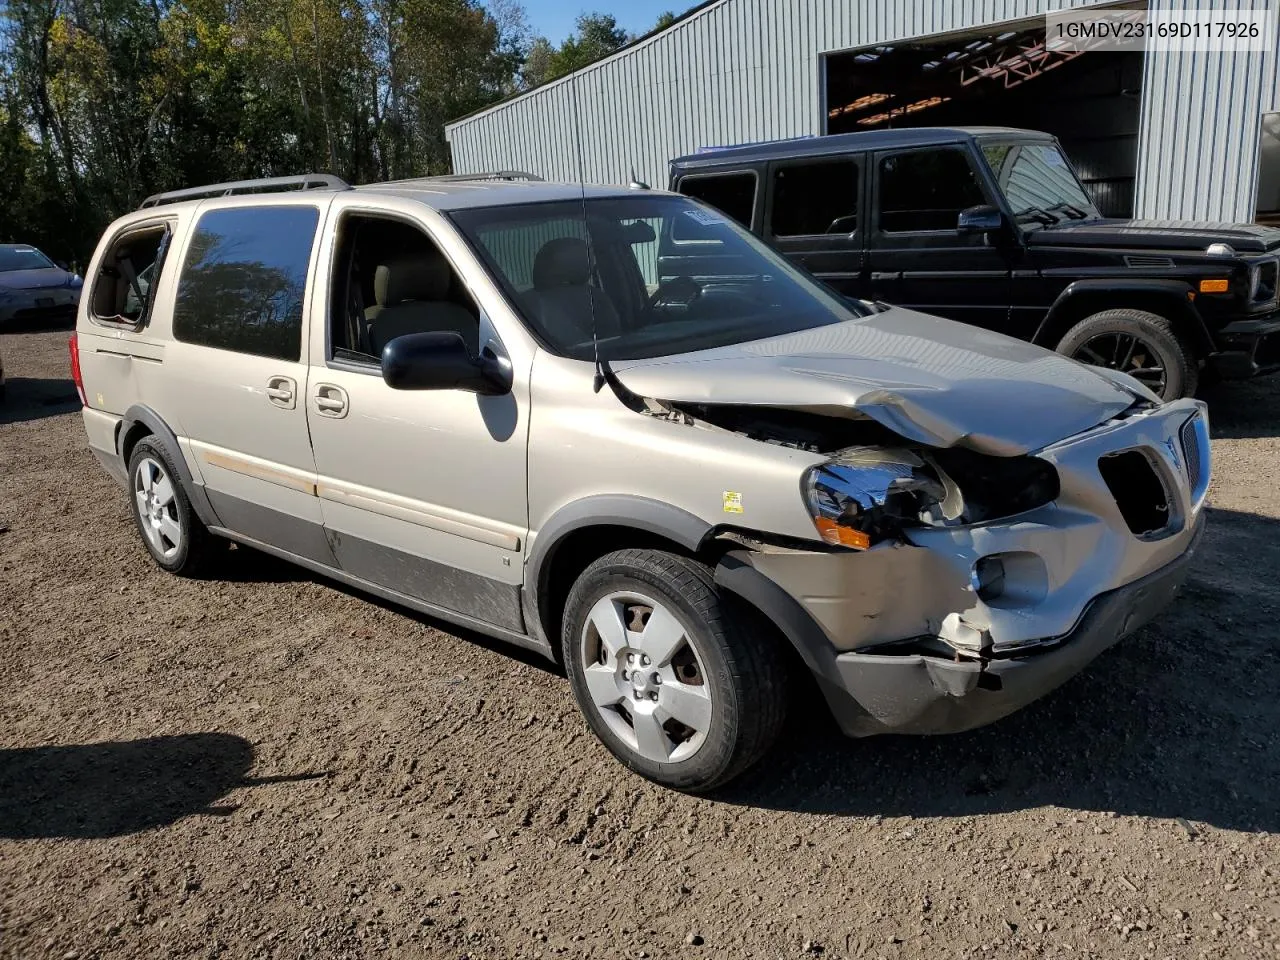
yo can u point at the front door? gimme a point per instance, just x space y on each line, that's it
915 255
233 379
423 491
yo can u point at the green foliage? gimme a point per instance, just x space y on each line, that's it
103 102
596 36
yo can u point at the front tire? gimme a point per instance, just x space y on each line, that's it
170 529
1141 344
671 676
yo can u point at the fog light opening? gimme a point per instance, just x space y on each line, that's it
987 578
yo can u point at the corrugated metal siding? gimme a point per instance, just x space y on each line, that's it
1202 115
747 70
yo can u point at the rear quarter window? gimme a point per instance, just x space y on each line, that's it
243 280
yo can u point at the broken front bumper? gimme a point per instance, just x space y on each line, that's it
873 693
929 694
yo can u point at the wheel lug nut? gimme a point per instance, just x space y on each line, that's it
656 678
653 696
644 661
631 658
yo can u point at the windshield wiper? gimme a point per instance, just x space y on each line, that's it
1035 214
1072 211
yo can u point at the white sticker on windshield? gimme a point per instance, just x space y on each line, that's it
704 217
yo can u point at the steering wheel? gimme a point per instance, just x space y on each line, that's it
678 290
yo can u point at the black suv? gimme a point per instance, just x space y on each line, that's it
992 227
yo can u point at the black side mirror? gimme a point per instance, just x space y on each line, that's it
980 219
441 361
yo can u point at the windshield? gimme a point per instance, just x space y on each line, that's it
661 275
1039 183
22 258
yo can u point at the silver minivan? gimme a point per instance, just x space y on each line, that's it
611 426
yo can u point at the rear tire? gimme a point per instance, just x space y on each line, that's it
693 697
1141 344
170 529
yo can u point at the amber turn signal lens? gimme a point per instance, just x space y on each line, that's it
839 536
1214 286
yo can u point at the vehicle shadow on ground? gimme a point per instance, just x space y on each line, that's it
1244 409
113 789
34 398
1179 720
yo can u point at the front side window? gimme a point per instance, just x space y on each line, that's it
627 284
1038 182
730 193
814 199
925 190
243 280
23 258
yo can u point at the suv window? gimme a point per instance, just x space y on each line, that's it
243 280
926 190
390 279
810 199
730 193
122 286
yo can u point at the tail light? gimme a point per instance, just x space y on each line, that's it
74 345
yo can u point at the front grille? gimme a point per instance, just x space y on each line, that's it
1190 449
1138 491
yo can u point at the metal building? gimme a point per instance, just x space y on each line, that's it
1158 135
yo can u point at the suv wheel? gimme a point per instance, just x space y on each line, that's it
671 677
173 534
1138 343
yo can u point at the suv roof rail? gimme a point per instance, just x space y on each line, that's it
307 181
490 175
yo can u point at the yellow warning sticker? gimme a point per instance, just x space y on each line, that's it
732 501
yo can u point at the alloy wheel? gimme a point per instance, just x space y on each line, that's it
157 508
1127 353
645 677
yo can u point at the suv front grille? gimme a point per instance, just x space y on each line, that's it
1138 491
1190 449
1194 436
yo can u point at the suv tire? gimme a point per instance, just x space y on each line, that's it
1136 342
695 696
170 529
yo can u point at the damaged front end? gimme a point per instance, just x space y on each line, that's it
955 586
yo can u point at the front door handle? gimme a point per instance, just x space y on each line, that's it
331 401
283 392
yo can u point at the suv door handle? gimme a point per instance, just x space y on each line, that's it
330 401
282 391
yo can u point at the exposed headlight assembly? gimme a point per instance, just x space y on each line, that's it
865 494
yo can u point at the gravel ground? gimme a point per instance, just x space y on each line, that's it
270 766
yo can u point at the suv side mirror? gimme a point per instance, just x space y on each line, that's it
441 361
980 219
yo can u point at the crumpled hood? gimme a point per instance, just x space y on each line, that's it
929 380
1157 235
39 278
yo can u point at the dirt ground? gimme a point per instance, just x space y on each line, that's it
267 765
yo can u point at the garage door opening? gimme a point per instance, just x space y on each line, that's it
1090 101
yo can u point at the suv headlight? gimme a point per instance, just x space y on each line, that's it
865 494
1262 281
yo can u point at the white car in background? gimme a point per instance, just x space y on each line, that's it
35 288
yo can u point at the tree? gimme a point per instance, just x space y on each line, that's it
665 20
103 102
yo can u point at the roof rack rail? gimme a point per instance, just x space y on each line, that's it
490 175
307 181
